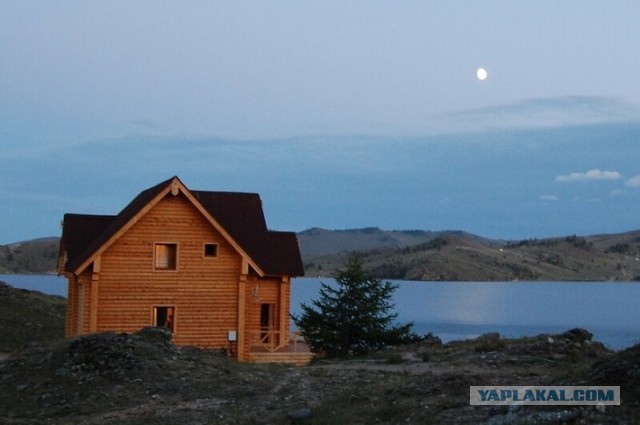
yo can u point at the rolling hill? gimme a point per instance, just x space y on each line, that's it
38 256
316 241
460 256
425 255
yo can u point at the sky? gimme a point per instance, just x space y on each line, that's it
339 114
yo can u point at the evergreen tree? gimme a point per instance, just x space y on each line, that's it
353 317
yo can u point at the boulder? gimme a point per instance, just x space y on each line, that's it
578 335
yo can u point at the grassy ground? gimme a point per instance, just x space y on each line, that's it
29 316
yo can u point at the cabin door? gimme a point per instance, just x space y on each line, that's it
266 323
164 316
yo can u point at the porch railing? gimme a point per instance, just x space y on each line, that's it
269 341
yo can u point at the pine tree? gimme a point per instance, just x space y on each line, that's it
353 316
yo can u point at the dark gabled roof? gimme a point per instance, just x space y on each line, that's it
239 214
284 253
104 234
80 231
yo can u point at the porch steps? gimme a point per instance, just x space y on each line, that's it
296 358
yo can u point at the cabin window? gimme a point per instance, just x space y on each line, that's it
210 250
166 256
165 316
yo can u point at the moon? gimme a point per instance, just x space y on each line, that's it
482 74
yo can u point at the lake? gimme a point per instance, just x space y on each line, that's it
460 310
48 284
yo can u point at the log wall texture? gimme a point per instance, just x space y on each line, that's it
202 290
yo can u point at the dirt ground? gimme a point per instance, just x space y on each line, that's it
145 379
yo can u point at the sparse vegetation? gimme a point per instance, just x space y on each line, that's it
31 257
436 243
489 342
144 379
620 248
393 358
29 316
460 256
393 269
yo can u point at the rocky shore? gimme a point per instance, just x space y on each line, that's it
144 378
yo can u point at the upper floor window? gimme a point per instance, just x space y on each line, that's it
210 250
166 256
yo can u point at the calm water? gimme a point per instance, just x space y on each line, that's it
459 310
48 284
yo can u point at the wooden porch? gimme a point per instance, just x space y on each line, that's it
267 346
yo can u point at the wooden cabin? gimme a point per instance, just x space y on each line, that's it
201 263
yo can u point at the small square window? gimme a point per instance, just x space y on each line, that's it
210 250
166 256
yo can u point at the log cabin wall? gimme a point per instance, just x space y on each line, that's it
72 307
202 290
259 292
82 312
79 311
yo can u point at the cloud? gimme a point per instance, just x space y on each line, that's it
616 193
590 175
633 182
547 112
548 198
